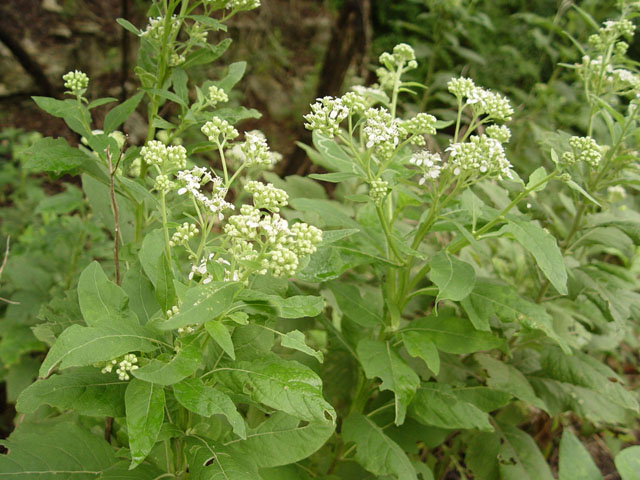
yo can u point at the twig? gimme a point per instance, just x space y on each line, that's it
4 262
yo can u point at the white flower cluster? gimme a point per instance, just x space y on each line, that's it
173 311
483 102
616 193
76 82
254 151
242 5
429 163
183 234
378 190
165 157
127 364
481 155
268 239
217 95
326 115
217 128
584 149
155 28
200 268
267 196
381 130
192 182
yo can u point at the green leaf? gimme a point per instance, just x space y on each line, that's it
438 405
379 360
481 455
544 248
165 291
353 306
119 114
335 177
507 378
120 471
80 346
491 298
295 340
150 252
145 414
520 457
287 386
127 25
297 306
628 463
202 304
55 156
235 72
101 300
281 440
454 335
209 462
220 333
193 395
575 461
87 391
60 451
327 213
206 55
455 279
537 175
75 116
140 292
418 345
375 451
183 364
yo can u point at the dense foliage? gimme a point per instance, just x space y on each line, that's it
405 314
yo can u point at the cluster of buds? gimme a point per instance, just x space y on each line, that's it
162 183
483 102
255 152
481 155
219 131
401 60
126 364
257 236
183 234
200 268
326 115
217 95
155 27
583 149
267 196
378 190
500 132
165 157
76 82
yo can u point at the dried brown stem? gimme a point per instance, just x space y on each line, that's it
4 262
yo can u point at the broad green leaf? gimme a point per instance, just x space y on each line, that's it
628 463
455 279
62 451
331 156
418 345
335 177
379 359
287 386
210 462
75 115
203 303
56 156
453 335
150 252
491 298
186 361
220 333
234 74
327 213
485 398
145 413
206 55
481 455
101 300
575 461
375 451
86 391
295 340
297 306
435 404
139 289
165 291
520 457
544 248
353 306
537 176
120 471
81 346
281 440
505 377
207 401
119 114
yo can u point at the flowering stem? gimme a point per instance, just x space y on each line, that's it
458 120
165 227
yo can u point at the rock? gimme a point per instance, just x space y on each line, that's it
51 6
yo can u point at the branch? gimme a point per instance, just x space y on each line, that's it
4 262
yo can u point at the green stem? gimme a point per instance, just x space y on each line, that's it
387 232
165 228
